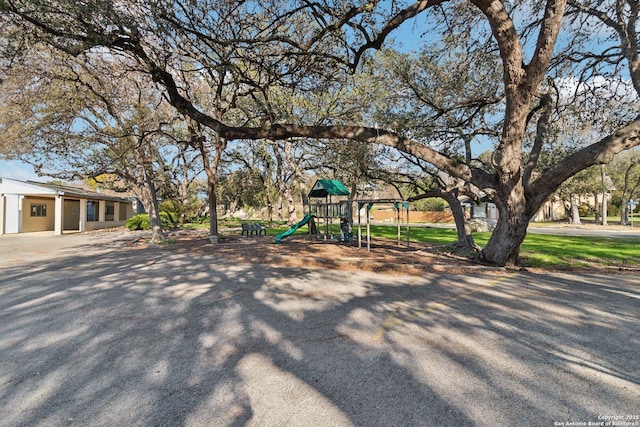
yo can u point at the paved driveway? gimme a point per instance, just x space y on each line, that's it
109 334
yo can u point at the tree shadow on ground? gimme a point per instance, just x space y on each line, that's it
145 336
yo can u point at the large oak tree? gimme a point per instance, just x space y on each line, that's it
73 121
299 45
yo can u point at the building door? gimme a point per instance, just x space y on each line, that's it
71 215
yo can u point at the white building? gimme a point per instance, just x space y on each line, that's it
32 206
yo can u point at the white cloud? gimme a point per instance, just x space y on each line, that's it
14 169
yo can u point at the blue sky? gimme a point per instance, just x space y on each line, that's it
18 170
407 37
408 34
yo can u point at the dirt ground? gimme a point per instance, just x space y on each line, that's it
385 256
303 251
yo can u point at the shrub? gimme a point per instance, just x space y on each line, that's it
175 210
138 222
199 220
168 219
431 205
141 221
613 210
585 210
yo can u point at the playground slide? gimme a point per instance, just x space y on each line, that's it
293 228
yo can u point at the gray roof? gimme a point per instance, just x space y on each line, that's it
71 191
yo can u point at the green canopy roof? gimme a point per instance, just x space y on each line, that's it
325 187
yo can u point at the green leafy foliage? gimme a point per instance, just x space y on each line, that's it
585 210
141 221
431 205
138 222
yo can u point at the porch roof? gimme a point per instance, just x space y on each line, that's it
326 187
33 188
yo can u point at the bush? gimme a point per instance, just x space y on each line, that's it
168 219
613 210
141 221
431 205
176 211
199 220
585 210
138 222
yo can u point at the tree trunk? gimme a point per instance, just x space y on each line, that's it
154 217
232 208
575 212
291 208
465 238
504 245
148 190
596 207
603 176
184 192
268 201
270 211
280 206
306 206
213 211
211 170
146 197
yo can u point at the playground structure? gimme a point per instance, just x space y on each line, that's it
399 206
336 209
331 216
307 219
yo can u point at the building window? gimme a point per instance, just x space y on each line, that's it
109 211
39 210
92 211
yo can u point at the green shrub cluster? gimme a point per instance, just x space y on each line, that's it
431 205
141 221
199 220
585 210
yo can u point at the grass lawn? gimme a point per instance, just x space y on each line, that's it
544 250
538 250
548 250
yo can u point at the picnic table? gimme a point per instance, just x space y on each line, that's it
251 228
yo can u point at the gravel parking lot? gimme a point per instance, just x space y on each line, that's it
96 331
